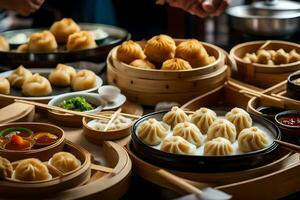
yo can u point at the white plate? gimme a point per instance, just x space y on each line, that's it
57 90
119 101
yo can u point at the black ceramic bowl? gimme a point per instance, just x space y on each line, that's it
192 163
293 90
269 112
289 132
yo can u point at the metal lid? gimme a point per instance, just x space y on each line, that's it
277 5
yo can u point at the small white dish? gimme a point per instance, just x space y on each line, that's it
118 101
92 98
109 92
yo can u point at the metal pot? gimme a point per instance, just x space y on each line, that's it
269 18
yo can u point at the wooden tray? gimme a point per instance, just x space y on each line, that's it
22 189
283 171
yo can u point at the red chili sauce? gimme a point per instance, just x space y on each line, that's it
290 120
44 138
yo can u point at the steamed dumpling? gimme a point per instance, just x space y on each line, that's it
83 80
281 57
31 170
42 42
23 48
193 51
177 145
176 64
143 64
80 40
174 116
129 51
218 147
4 86
160 48
36 85
294 56
240 118
189 132
63 28
252 139
222 128
64 162
19 76
250 58
203 118
4 46
263 56
6 168
152 132
62 75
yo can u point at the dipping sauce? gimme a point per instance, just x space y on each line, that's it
17 143
290 120
44 138
22 132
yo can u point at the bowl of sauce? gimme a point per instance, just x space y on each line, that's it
289 124
293 86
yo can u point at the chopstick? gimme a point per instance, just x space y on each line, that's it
113 117
289 145
102 168
264 45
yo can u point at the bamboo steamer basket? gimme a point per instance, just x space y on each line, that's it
43 153
23 189
261 75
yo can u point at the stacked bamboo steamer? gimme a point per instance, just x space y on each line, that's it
263 75
148 87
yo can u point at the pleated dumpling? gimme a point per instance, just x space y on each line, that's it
36 85
19 76
193 51
252 139
4 86
250 58
203 118
160 48
174 116
222 128
263 56
4 46
177 145
62 75
189 132
176 64
31 170
80 40
294 56
42 42
143 64
64 162
152 132
240 118
63 28
281 57
83 80
218 147
23 48
129 51
6 168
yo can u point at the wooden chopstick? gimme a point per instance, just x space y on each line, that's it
264 45
289 145
102 168
113 117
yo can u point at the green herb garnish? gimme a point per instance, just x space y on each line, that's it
77 104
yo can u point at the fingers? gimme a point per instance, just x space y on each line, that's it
30 6
222 8
208 7
198 11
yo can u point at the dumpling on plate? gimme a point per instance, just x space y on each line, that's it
218 147
222 128
252 139
193 51
4 46
143 64
62 75
176 64
19 76
36 86
152 132
189 132
177 145
4 86
81 40
63 28
129 51
174 116
64 162
23 48
83 80
42 42
31 169
240 118
160 48
203 118
6 168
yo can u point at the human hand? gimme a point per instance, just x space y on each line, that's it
201 8
23 7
